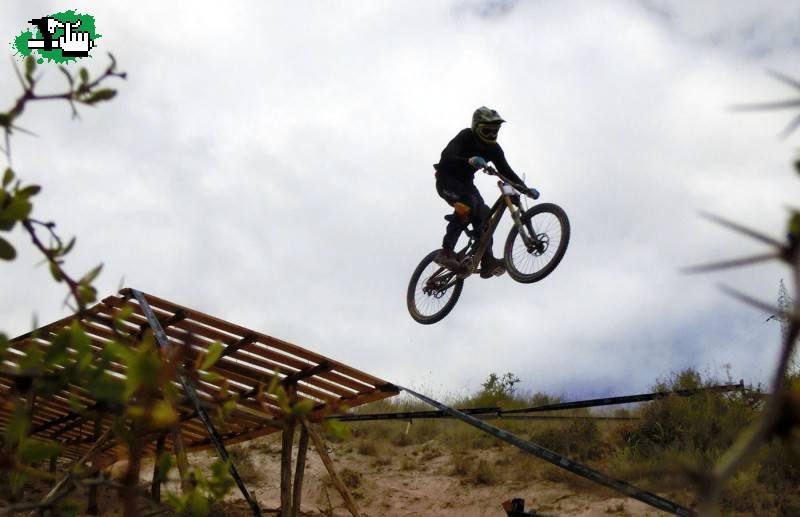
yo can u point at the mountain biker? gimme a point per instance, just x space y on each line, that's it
470 150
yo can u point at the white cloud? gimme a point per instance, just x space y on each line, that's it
271 164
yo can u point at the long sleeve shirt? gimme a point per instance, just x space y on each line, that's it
454 163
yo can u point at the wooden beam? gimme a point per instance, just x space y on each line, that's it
179 316
51 495
92 508
299 473
324 366
286 467
155 489
234 347
326 460
180 457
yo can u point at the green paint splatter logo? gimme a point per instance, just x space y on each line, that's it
60 37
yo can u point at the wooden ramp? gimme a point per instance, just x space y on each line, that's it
250 360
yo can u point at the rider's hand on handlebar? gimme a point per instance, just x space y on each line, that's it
531 192
477 162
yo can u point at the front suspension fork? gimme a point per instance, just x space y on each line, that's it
515 210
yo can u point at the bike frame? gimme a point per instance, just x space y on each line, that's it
510 201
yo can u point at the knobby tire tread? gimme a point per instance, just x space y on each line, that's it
412 289
561 215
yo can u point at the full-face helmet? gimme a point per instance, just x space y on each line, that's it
486 124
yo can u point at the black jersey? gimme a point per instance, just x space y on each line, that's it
454 163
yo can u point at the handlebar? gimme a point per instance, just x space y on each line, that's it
521 188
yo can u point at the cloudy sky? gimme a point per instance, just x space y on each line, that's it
270 163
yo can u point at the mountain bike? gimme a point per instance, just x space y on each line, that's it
534 247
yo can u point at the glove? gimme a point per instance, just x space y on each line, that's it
532 192
477 162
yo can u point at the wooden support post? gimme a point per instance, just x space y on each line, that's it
155 489
180 458
299 473
326 460
92 508
286 467
191 394
52 494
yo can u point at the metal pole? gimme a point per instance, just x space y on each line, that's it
191 394
610 401
562 462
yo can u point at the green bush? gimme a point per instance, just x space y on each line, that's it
579 439
702 425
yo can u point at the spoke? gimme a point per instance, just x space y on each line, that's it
429 304
546 227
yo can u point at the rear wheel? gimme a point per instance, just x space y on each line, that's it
535 252
432 291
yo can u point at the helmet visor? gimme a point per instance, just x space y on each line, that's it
488 131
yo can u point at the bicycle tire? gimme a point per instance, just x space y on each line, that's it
513 265
411 293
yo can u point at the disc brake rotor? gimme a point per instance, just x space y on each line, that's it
539 247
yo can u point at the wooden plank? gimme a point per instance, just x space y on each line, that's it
247 373
329 381
207 397
62 323
326 460
273 361
268 340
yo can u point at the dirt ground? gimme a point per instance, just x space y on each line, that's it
414 480
409 482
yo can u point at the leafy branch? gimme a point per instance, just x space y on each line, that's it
16 200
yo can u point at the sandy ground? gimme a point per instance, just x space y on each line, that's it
407 482
417 480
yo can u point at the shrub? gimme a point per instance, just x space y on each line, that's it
367 448
483 474
702 425
242 459
579 439
350 477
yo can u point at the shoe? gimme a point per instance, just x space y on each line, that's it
491 266
446 258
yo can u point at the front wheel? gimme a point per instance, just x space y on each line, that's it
432 291
533 251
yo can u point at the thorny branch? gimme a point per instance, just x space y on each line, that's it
777 415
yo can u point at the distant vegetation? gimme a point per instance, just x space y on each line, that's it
658 451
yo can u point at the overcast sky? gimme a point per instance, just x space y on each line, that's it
270 163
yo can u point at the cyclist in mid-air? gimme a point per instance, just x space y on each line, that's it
471 149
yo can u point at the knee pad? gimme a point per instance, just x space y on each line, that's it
462 211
